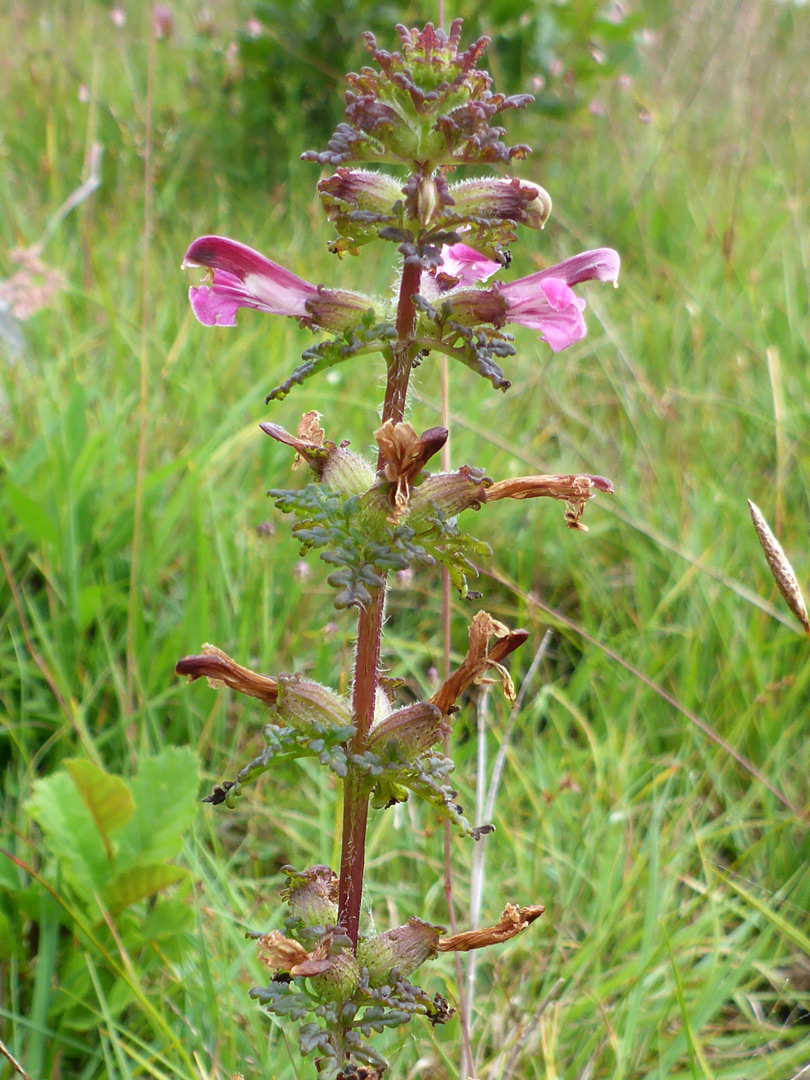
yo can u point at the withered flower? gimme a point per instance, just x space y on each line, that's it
281 954
339 468
220 670
404 455
333 966
310 432
480 658
513 921
308 442
574 490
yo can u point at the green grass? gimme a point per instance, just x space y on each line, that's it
676 941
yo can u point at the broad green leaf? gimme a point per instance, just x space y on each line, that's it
165 789
70 832
107 797
139 883
167 919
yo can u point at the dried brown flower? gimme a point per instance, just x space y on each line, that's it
574 490
308 442
280 953
404 455
288 957
513 921
220 670
783 573
309 431
480 658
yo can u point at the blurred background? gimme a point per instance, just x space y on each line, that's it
134 526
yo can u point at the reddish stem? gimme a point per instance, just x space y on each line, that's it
369 634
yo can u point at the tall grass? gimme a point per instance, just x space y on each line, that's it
676 940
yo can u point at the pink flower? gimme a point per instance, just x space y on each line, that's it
543 301
241 277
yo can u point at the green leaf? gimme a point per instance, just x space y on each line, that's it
33 519
107 797
70 832
167 919
139 883
165 789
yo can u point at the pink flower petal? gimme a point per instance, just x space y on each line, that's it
467 264
552 309
601 264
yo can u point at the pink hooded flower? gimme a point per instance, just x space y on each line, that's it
543 301
241 277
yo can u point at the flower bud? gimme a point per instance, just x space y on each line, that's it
359 189
404 949
427 198
502 199
427 103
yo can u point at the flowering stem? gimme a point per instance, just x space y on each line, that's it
369 633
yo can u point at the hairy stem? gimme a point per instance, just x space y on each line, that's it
369 634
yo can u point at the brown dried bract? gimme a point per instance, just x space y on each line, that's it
480 658
574 490
513 921
404 454
783 573
220 670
